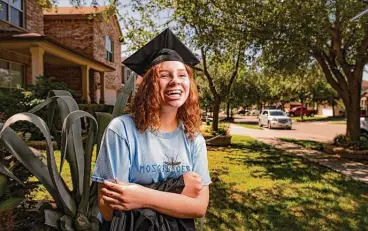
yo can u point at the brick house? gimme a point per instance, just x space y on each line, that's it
68 44
364 96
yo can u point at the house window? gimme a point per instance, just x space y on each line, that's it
12 11
11 74
109 46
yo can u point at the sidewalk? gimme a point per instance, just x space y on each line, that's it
356 170
353 169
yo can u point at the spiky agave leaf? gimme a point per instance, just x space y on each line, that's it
103 119
52 218
63 193
4 170
81 220
10 203
30 158
66 105
122 99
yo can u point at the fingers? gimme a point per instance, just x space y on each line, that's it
112 194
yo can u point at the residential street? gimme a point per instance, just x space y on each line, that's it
319 131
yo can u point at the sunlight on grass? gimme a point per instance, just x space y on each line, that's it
308 144
40 193
251 126
257 187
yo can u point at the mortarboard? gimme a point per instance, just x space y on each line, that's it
164 47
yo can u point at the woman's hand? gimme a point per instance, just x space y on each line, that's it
123 196
193 184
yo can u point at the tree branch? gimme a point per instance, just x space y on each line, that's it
235 72
330 79
338 52
207 74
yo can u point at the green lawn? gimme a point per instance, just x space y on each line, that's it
320 118
308 144
41 193
256 187
252 126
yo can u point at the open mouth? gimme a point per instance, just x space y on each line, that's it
173 94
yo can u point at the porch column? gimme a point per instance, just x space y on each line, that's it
102 87
37 62
85 84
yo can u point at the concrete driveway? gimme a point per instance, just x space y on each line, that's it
319 131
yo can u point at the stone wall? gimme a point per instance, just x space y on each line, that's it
74 33
34 17
102 28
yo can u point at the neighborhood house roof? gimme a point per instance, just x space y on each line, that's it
34 37
72 12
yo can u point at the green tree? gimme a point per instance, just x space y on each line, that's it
294 33
221 54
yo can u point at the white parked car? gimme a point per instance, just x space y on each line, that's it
273 118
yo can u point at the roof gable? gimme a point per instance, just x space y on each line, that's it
72 12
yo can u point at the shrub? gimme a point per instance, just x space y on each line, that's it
45 84
93 108
362 144
341 140
223 129
344 141
16 100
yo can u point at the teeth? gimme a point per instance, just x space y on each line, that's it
173 92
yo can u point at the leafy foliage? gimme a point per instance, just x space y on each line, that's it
46 84
346 142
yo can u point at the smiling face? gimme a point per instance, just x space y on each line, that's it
174 83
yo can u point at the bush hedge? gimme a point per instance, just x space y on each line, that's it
344 141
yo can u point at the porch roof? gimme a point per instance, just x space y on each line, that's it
20 42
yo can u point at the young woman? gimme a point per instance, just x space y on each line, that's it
158 141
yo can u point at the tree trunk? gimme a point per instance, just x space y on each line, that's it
228 111
347 84
353 117
216 110
301 110
333 108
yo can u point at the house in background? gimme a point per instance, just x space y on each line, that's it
364 96
68 44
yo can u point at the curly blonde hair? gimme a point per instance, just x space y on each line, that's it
147 104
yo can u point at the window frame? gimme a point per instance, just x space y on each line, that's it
22 84
109 53
10 4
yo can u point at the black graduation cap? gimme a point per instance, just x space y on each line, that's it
164 47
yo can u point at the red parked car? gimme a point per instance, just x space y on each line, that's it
296 111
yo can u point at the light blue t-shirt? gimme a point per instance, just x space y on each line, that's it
149 157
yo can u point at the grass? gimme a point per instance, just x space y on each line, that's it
40 193
320 118
251 126
338 123
308 144
256 187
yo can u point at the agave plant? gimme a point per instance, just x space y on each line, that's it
7 203
75 209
